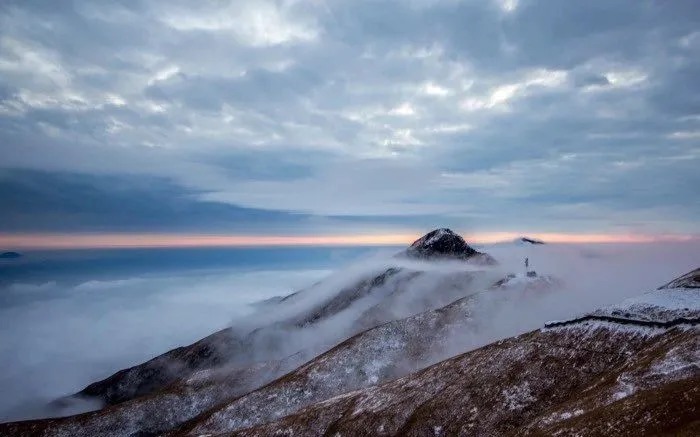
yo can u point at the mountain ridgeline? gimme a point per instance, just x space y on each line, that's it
389 349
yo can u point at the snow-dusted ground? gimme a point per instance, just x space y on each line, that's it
536 383
663 305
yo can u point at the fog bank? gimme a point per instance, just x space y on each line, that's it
55 339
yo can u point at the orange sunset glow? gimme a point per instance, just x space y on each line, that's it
115 240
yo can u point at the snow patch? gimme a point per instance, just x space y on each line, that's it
518 397
594 325
564 415
624 388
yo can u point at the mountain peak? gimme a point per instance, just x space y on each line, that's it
443 243
528 240
436 235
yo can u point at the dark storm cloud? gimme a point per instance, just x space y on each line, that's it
583 113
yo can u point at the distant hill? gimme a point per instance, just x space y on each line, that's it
10 255
528 240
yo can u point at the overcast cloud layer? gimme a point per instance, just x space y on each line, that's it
316 115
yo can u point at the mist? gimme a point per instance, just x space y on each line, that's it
583 278
55 339
588 277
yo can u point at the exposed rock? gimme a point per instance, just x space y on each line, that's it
444 244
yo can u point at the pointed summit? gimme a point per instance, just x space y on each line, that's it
443 243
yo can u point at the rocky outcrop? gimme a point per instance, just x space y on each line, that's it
444 244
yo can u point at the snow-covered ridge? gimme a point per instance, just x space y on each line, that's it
664 307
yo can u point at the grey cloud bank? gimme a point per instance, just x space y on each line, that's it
491 115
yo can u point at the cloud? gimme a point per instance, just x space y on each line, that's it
50 201
309 93
110 310
81 341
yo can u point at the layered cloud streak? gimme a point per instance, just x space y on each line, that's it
583 114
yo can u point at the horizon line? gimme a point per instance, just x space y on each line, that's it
174 240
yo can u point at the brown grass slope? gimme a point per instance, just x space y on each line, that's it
590 379
373 356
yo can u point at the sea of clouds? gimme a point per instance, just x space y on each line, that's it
55 339
64 337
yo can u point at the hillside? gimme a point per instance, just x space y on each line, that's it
583 377
376 295
385 356
192 379
375 355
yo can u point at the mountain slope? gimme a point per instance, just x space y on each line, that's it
217 369
392 294
375 355
523 385
376 290
585 377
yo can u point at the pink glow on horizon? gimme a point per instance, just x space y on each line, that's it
115 240
551 237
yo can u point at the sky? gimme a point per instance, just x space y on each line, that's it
349 119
